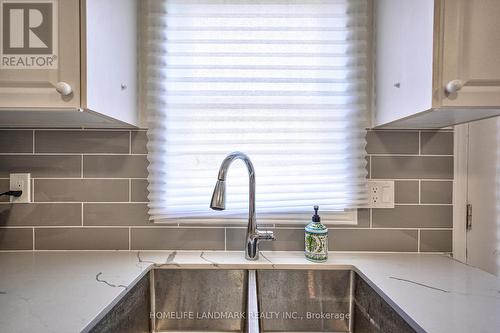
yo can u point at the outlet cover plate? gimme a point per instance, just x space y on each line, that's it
20 182
381 194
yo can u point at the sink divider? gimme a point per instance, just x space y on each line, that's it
252 315
152 301
351 300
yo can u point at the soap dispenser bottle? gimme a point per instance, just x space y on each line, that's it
316 239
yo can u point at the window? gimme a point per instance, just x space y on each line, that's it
284 81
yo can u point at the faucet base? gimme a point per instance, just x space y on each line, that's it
252 244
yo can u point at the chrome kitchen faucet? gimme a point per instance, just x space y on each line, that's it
218 202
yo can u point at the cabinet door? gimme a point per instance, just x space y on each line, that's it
404 49
109 56
471 52
483 187
40 51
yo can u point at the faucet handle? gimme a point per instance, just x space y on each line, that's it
252 243
265 235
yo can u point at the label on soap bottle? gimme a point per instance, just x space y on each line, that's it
316 245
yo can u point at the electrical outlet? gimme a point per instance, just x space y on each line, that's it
20 182
381 193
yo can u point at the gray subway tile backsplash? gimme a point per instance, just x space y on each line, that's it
16 239
81 239
235 238
436 192
412 167
79 141
436 240
41 214
152 238
373 240
138 142
115 166
437 143
90 193
139 190
81 190
406 191
42 166
115 214
4 186
392 142
413 216
363 220
16 141
286 240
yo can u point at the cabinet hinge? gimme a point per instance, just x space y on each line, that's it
468 224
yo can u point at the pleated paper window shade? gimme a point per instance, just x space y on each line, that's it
286 82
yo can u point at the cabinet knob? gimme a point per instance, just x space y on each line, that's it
63 88
453 86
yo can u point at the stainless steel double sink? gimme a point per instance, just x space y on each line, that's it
269 300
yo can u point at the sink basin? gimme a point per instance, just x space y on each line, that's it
323 301
180 300
274 300
200 300
304 300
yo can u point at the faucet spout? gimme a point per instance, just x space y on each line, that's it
219 197
218 202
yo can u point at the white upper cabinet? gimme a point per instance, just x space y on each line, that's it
34 60
437 62
471 51
68 63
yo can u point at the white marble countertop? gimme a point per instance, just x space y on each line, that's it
65 291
